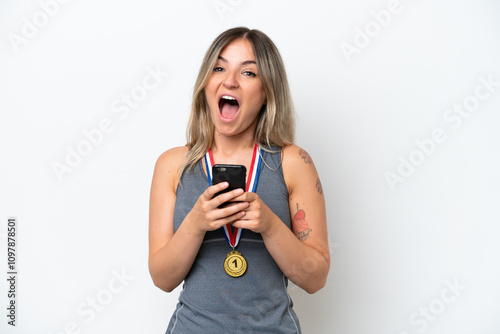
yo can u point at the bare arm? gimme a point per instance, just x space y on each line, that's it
171 255
302 254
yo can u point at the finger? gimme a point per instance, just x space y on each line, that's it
229 196
231 218
238 224
242 222
232 208
211 191
245 197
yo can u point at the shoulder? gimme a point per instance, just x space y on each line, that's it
298 166
173 156
167 166
295 157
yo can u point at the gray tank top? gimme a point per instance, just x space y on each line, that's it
211 301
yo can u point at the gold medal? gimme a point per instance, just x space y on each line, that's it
235 264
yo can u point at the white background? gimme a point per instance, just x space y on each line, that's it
395 250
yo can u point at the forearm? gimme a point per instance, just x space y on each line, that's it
170 265
304 265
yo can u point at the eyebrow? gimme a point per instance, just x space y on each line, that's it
246 62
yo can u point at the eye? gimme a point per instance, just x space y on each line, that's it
218 69
250 73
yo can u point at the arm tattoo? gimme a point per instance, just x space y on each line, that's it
300 226
319 187
304 155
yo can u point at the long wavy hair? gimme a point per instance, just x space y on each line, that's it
276 123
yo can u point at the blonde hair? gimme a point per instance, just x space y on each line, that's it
276 124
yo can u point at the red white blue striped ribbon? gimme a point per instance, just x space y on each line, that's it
233 238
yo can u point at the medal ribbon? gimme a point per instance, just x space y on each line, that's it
253 178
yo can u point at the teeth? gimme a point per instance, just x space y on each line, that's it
226 97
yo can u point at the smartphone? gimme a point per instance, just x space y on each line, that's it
235 175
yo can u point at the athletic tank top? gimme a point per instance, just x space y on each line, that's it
211 301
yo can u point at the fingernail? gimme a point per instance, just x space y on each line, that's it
239 191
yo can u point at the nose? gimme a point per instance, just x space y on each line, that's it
230 81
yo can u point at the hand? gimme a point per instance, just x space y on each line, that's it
206 214
258 217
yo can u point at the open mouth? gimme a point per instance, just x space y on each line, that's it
228 107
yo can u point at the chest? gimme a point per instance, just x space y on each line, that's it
271 188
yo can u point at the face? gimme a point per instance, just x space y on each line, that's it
234 92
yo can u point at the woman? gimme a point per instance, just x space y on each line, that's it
241 114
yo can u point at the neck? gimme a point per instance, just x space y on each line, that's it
232 149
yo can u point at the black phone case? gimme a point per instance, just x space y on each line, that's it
235 175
